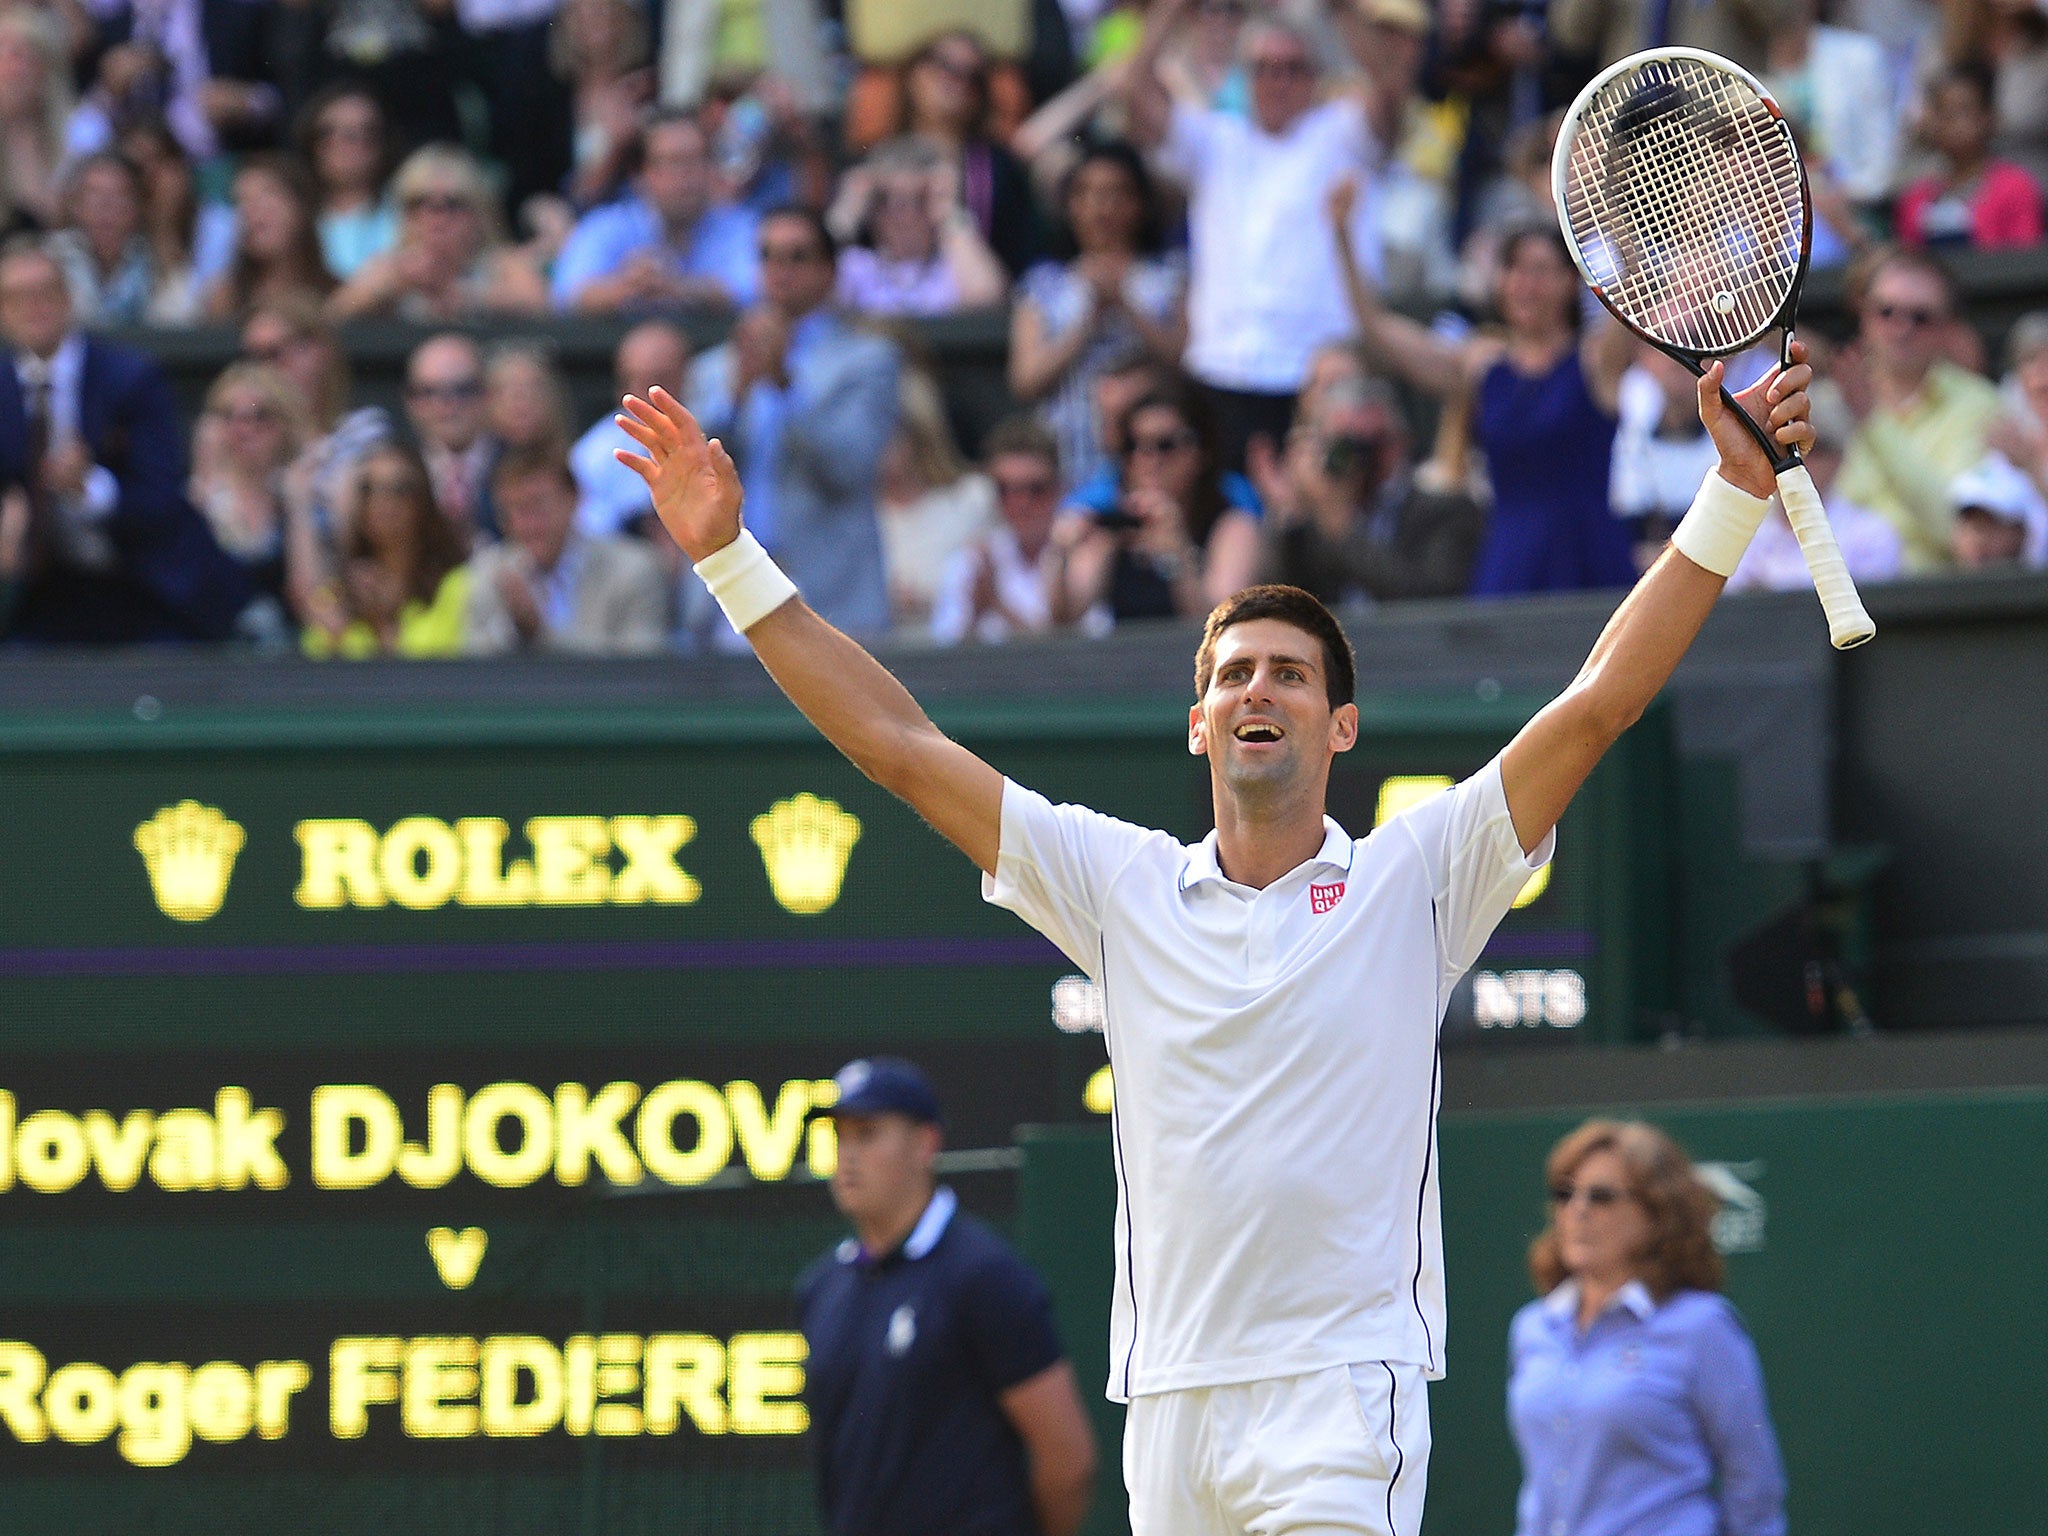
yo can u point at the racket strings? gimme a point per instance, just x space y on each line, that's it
1683 194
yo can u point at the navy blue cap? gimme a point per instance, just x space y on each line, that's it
883 1085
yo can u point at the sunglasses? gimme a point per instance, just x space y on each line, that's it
249 416
437 202
1599 1196
1165 443
460 390
1911 314
792 254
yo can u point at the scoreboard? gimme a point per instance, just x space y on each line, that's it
403 1120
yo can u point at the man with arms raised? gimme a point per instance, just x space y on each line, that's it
1273 993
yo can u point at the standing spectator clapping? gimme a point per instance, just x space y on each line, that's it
1114 297
805 404
908 247
1003 584
451 261
1634 1392
1265 288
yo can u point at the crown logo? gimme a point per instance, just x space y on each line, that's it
189 850
805 843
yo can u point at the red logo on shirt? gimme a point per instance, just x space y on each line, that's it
1324 898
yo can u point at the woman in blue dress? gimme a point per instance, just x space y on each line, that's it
1540 390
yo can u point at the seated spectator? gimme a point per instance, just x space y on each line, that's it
451 261
947 97
1870 546
1116 296
1265 285
1173 544
444 403
1125 379
1542 392
549 587
108 260
670 242
2001 521
1972 202
254 426
805 403
290 336
1344 517
193 242
611 499
114 553
929 500
526 404
1661 452
35 104
600 48
1927 420
2021 434
342 138
1002 583
403 587
404 51
277 244
909 247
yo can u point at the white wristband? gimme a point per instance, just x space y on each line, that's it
748 585
1723 519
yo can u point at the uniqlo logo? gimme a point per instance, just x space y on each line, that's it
1323 898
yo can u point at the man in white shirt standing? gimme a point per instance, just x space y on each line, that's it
1264 286
1273 993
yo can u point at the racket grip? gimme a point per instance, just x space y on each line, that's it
1848 624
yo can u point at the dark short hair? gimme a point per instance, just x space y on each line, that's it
635 158
1021 434
811 219
529 462
1290 605
1150 236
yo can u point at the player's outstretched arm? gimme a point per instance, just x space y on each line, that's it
842 690
1639 649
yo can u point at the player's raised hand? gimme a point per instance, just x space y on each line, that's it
695 487
1777 402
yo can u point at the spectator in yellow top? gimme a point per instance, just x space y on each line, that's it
1927 418
403 586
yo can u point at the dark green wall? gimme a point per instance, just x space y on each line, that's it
1895 1299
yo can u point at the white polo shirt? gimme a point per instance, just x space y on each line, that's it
1276 1074
1264 286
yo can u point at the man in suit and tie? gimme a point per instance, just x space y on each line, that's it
805 404
90 439
551 587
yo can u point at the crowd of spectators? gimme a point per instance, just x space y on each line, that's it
1285 294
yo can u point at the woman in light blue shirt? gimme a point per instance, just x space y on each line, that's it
1634 1392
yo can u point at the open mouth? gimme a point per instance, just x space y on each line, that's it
1258 731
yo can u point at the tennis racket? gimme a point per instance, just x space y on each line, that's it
1684 202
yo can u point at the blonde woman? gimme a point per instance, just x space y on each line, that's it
255 423
35 104
929 502
1634 1392
451 261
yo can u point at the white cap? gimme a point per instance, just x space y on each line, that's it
1994 485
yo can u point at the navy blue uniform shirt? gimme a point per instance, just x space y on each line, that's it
909 1353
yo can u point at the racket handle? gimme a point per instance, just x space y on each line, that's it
1848 624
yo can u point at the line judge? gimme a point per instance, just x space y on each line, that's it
1273 993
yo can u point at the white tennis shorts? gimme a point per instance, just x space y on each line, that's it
1340 1450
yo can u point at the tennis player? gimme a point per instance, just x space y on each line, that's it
1273 993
